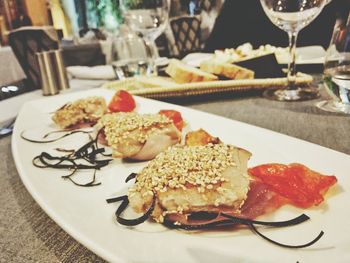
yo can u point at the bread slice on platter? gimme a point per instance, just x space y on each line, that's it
154 81
227 70
183 73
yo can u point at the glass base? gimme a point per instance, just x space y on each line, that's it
333 106
298 94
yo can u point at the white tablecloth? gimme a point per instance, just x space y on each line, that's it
10 69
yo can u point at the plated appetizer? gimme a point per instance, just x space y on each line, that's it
137 136
80 113
187 179
86 112
206 184
129 134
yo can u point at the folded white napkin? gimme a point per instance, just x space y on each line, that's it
96 72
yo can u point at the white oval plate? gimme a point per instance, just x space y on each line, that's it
85 215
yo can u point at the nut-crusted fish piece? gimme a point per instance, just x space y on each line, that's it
186 179
138 136
82 111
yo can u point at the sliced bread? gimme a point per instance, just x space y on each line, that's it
183 73
227 70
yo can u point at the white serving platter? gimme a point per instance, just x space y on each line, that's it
85 215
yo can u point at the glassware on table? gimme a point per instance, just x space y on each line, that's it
291 16
148 17
336 77
131 55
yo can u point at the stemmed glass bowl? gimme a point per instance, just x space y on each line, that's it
336 76
147 17
292 16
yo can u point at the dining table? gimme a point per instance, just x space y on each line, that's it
29 235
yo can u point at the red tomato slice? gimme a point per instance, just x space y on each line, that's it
302 186
122 101
175 116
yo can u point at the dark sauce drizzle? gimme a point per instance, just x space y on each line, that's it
228 222
130 177
122 207
87 157
66 134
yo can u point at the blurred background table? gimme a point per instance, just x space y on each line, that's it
29 235
10 69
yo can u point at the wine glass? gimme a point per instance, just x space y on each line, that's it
291 16
336 76
131 56
147 17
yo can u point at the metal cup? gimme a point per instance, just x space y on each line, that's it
60 70
47 67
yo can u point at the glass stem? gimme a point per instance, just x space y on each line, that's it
291 77
151 43
153 52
